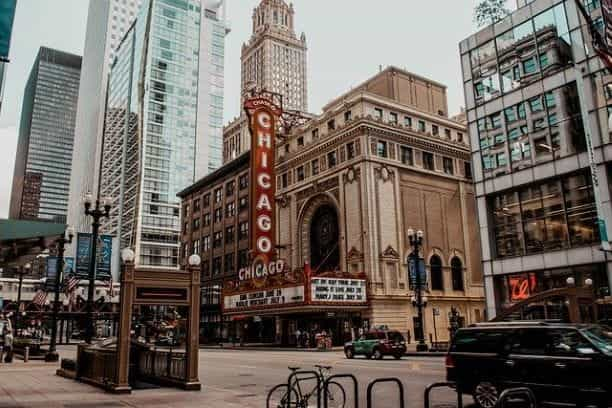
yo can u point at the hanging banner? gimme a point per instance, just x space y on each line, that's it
103 256
263 117
412 273
51 273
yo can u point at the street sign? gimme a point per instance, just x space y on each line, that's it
412 273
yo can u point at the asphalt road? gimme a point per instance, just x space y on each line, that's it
249 375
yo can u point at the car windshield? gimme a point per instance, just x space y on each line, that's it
601 337
395 336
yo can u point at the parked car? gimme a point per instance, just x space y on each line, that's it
377 344
560 363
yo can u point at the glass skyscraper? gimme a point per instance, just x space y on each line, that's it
163 123
44 152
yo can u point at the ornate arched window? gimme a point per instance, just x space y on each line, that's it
435 266
457 273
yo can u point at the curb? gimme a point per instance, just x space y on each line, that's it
426 354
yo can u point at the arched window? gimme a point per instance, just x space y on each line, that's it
457 273
435 266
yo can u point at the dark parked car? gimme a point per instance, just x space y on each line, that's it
560 363
377 344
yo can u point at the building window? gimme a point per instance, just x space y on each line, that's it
196 224
300 173
218 215
381 148
460 137
206 243
206 200
331 125
406 155
216 267
230 209
206 219
284 180
408 121
422 127
315 167
229 234
393 118
217 239
348 116
315 134
243 204
243 258
378 113
447 133
467 168
331 159
196 205
243 232
287 148
447 162
530 66
457 273
300 141
428 161
437 279
196 246
229 264
205 267
229 188
218 195
435 130
350 150
244 181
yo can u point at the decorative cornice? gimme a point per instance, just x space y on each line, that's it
390 254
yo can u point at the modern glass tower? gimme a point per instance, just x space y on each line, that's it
44 152
163 124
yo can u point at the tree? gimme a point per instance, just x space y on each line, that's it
490 11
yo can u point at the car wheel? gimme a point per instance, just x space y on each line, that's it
349 353
397 356
486 395
368 356
378 354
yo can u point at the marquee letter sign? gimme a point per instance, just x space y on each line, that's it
263 117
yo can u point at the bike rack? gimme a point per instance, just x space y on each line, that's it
451 385
333 377
387 380
294 375
515 392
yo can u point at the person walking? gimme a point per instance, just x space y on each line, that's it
8 346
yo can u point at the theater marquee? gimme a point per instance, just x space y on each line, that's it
263 118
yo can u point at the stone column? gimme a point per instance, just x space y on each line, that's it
192 381
126 296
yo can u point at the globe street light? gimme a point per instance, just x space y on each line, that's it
416 241
61 242
97 210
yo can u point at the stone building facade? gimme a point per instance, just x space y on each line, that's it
379 160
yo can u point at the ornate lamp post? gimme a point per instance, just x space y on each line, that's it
61 243
416 241
97 210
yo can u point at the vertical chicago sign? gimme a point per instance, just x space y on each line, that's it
263 119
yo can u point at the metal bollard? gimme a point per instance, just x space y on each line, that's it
26 354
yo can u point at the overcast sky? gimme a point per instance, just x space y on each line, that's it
347 42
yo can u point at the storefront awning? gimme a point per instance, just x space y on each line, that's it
296 310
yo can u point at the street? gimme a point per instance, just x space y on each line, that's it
229 379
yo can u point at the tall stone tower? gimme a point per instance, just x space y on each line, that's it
274 59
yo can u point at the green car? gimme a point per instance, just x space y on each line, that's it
377 344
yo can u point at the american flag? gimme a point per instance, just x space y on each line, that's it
39 298
71 284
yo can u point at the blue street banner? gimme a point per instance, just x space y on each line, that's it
83 251
412 273
104 251
104 254
7 16
52 271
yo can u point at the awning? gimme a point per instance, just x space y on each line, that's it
300 309
22 240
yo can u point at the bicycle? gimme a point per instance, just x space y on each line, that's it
279 395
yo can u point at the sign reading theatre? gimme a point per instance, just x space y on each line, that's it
263 116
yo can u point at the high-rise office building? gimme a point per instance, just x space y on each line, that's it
7 16
273 59
107 23
537 205
44 151
163 124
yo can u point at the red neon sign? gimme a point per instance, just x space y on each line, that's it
263 117
522 286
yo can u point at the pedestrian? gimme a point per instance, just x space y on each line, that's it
298 337
8 346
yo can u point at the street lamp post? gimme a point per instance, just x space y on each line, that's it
61 243
416 241
24 270
97 210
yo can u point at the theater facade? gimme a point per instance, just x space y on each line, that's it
349 182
